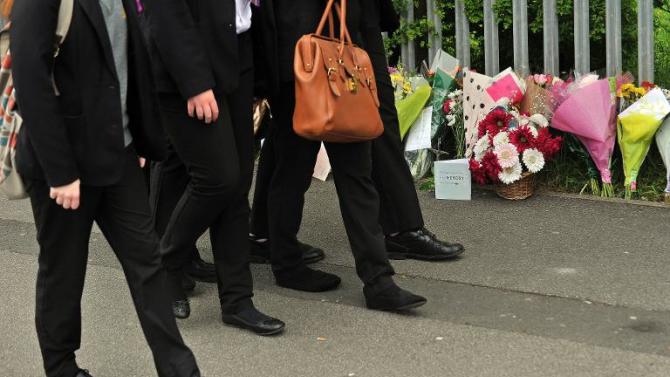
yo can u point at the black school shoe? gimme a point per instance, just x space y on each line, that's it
252 319
260 252
181 308
391 298
83 373
306 279
421 245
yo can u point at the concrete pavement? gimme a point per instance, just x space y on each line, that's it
548 287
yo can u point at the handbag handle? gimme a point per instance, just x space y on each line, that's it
342 14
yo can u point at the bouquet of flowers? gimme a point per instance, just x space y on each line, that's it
663 143
636 128
476 104
511 146
400 82
442 85
453 110
628 94
539 98
411 95
588 114
506 85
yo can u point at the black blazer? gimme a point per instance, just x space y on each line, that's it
79 134
389 19
278 25
193 45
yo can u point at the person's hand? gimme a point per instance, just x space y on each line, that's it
143 162
204 107
66 196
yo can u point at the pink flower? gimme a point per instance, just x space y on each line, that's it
447 106
507 154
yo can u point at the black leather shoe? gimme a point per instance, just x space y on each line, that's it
422 245
180 305
187 283
307 280
83 373
202 271
391 298
260 252
254 320
181 309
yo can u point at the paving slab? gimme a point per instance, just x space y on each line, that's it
551 286
323 339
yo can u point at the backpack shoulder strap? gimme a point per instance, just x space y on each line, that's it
4 40
64 20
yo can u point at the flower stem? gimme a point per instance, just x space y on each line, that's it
607 191
595 188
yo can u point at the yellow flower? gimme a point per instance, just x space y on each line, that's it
396 77
407 88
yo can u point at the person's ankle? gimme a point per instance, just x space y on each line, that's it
381 283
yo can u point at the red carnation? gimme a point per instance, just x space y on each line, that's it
547 144
647 85
478 173
495 122
447 106
522 138
491 166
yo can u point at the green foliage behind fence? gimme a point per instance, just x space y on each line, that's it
420 28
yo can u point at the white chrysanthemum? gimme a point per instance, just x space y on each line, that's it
507 154
500 139
511 174
539 120
533 159
455 94
523 121
533 130
481 147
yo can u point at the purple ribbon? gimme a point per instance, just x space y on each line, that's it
140 7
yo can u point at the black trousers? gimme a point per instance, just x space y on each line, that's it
294 162
218 158
399 209
122 213
168 180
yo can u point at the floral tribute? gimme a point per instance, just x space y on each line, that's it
511 144
453 113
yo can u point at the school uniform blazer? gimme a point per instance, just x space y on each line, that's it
278 25
79 134
193 46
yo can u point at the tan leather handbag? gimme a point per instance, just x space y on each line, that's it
335 88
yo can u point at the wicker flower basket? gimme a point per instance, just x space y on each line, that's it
519 190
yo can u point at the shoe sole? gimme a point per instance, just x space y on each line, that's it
325 289
404 308
261 333
396 255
